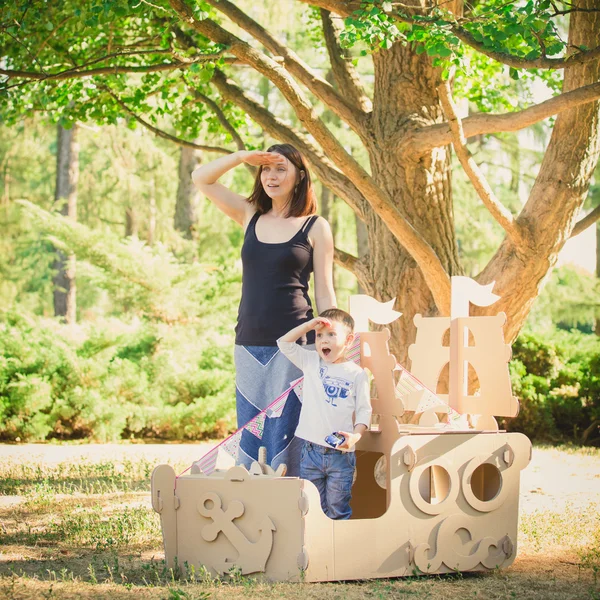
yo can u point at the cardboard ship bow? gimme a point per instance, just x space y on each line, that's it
437 484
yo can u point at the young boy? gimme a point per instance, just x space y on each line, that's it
334 390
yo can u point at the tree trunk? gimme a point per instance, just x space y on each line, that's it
362 245
405 97
152 215
558 192
65 197
597 328
186 206
326 205
131 222
7 179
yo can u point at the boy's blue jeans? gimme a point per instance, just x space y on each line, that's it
332 472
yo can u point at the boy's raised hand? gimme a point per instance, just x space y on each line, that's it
319 323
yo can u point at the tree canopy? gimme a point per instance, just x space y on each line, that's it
367 93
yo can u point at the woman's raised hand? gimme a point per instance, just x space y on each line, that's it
257 158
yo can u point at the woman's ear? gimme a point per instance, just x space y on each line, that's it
302 174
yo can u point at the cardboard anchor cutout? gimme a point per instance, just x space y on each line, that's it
437 484
251 556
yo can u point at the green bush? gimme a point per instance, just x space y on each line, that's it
113 380
557 381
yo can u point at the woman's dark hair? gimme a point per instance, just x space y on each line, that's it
303 200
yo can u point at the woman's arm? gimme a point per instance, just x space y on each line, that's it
232 204
322 239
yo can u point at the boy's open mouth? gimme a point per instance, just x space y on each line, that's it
326 351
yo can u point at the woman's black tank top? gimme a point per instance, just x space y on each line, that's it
274 287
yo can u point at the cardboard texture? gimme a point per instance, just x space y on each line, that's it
428 497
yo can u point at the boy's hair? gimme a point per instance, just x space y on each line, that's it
339 316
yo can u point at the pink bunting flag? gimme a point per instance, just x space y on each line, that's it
208 462
232 444
275 409
257 425
298 386
428 401
353 353
406 385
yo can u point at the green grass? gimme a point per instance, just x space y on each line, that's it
85 529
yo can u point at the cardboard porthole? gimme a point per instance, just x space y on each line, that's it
484 485
434 484
380 472
485 482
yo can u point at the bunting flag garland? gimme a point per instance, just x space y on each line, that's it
428 401
208 462
407 384
298 386
353 353
257 425
275 409
232 444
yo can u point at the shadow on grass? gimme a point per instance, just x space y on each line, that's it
83 573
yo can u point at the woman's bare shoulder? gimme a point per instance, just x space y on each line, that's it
321 227
320 232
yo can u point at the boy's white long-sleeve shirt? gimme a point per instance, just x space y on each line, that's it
332 394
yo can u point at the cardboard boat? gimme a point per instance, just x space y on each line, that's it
436 488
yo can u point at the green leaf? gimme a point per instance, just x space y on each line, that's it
513 73
49 26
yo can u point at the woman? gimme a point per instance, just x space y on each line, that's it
284 242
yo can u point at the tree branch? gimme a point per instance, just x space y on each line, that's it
502 215
345 74
351 113
433 271
522 63
355 265
345 8
221 116
224 122
76 72
423 140
159 132
588 220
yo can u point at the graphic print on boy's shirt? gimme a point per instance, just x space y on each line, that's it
336 388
